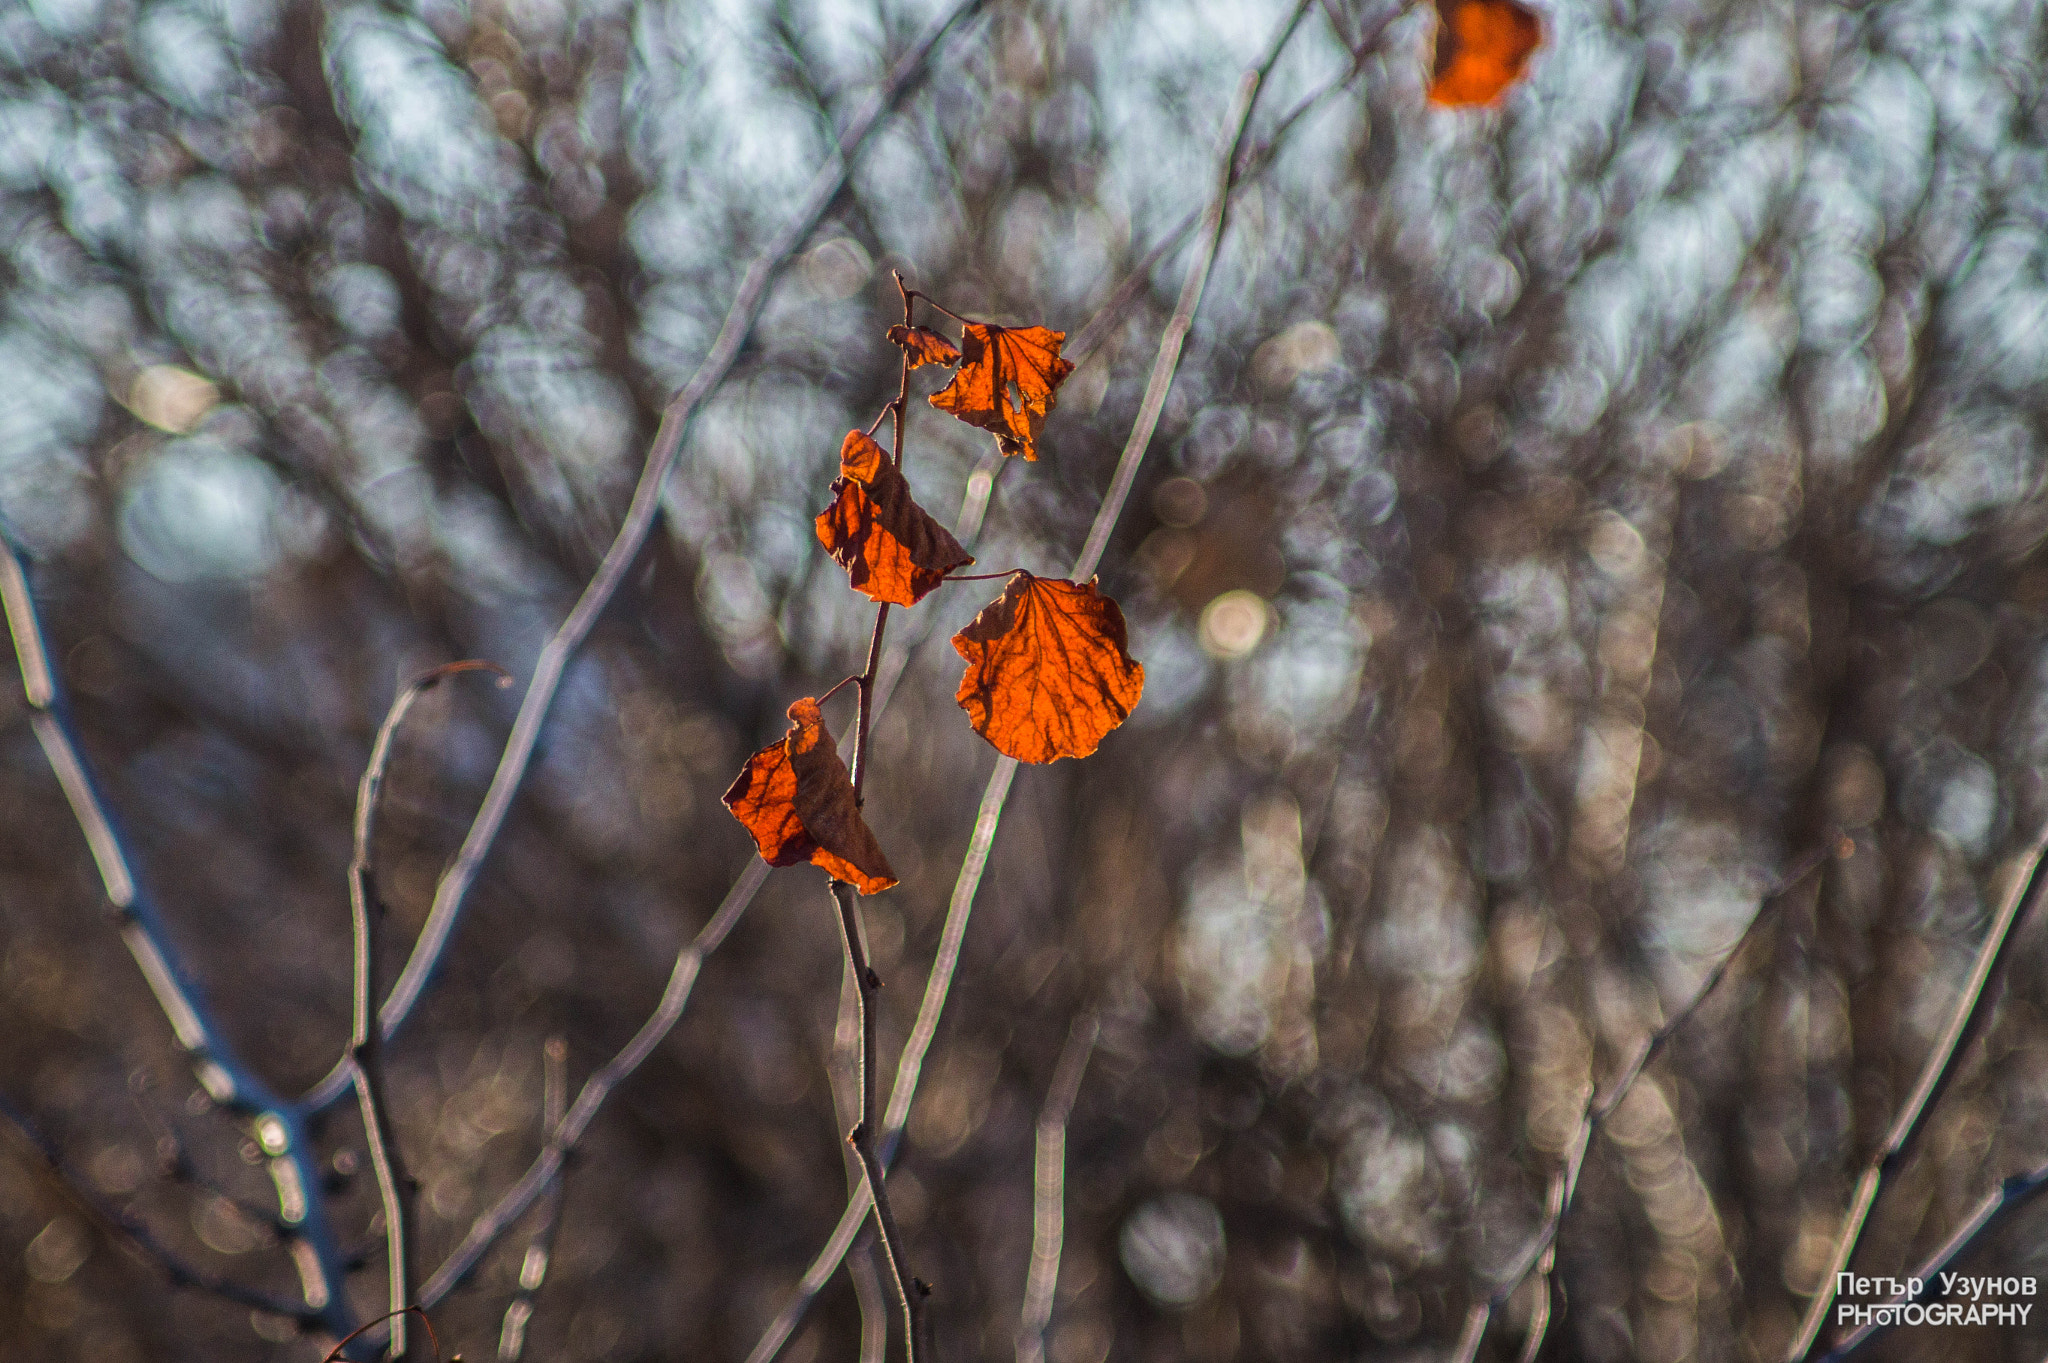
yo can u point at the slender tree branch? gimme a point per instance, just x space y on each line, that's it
278 1126
1049 1188
996 792
748 301
1253 162
1997 1208
909 1291
1539 1256
533 1269
867 1292
365 1049
1966 1020
860 1264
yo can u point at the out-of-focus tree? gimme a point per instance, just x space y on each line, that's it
1567 516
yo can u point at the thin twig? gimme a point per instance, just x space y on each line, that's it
1252 162
278 1126
1049 1188
866 983
909 1291
533 1269
365 1049
1997 1208
996 792
1966 1019
397 1315
748 301
486 1229
867 1292
1539 1256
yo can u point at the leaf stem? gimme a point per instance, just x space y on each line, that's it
936 306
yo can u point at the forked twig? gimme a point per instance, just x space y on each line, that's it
1966 1020
365 1047
747 304
1539 1256
1049 1187
278 1125
996 792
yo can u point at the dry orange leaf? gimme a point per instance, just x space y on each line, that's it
1049 669
996 360
1482 47
796 798
924 345
890 546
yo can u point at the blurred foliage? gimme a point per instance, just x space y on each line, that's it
1565 516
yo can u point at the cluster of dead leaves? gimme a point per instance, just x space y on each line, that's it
1049 669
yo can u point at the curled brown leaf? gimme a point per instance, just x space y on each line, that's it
796 799
890 546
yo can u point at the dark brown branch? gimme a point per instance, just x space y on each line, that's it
1966 1020
910 1291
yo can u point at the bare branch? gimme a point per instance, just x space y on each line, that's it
277 1125
996 792
909 1291
1972 1010
747 303
1049 1188
365 1051
533 1269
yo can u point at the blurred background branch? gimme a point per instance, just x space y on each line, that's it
1561 516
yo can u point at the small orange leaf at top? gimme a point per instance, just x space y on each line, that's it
993 362
924 346
1049 669
796 799
1482 47
890 546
